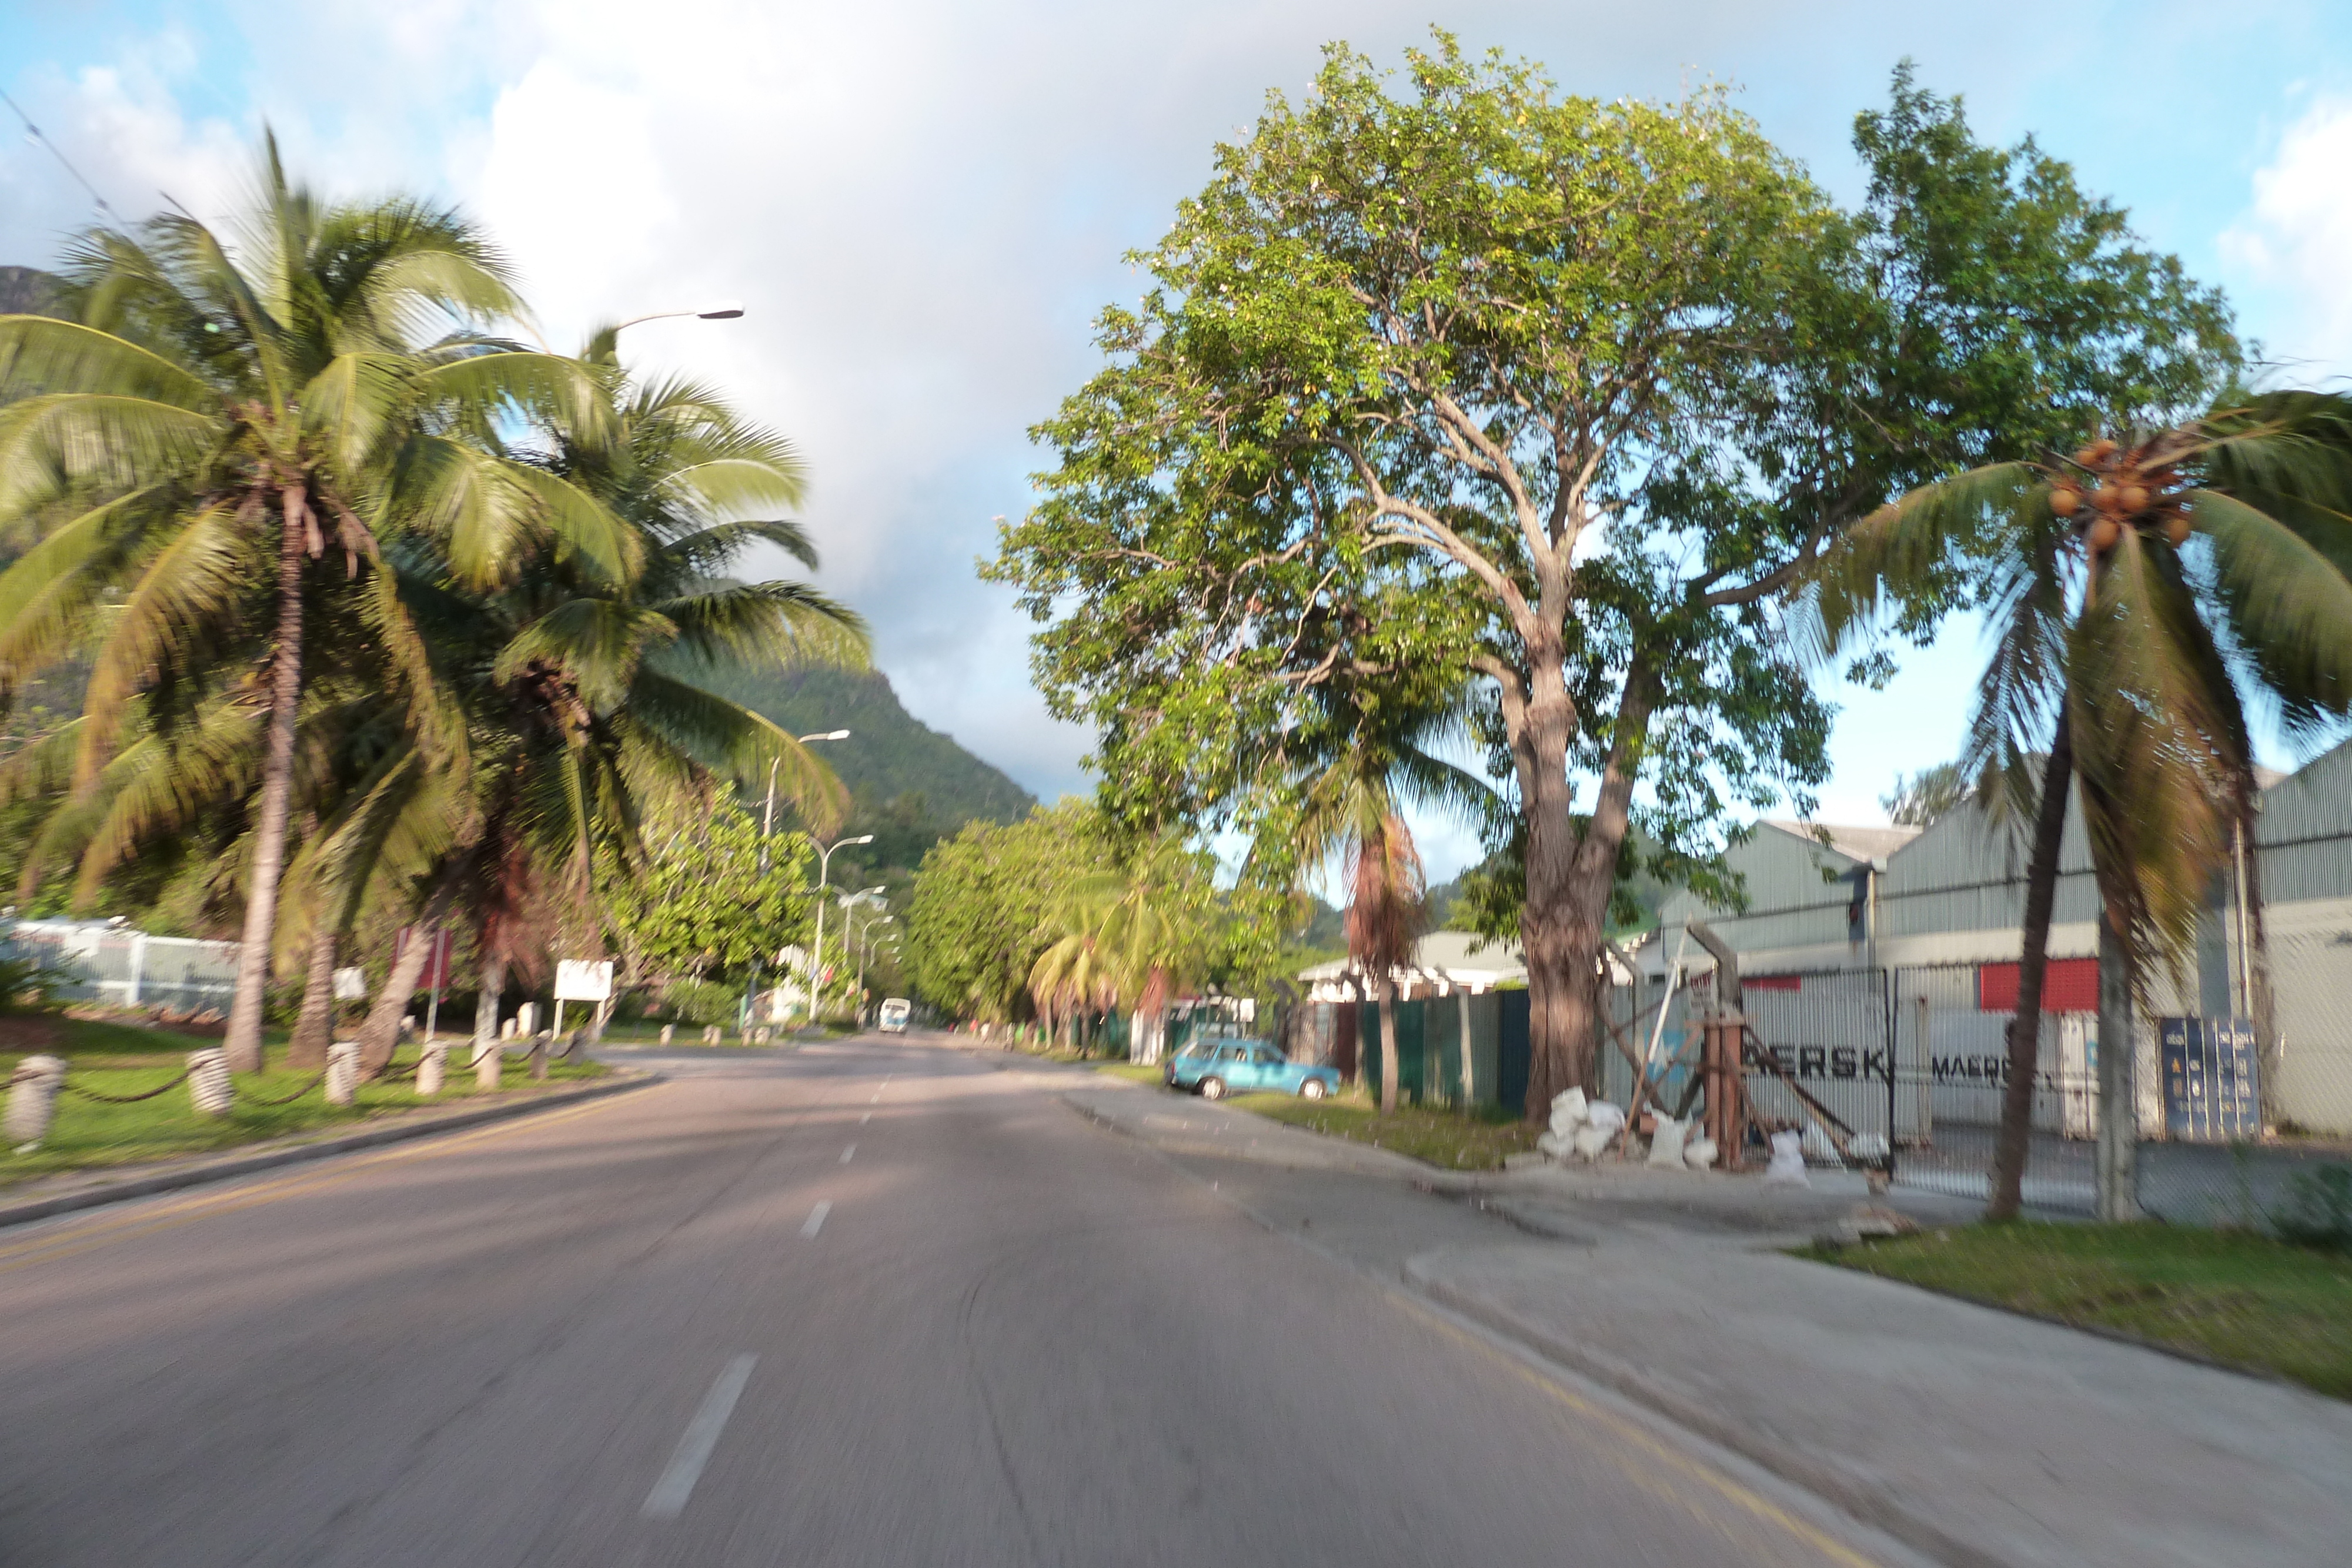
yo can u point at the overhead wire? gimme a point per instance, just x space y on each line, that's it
36 133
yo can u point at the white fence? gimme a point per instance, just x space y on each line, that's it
122 968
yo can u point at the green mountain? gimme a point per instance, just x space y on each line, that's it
28 291
890 758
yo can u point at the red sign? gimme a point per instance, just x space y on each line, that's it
1771 983
437 963
2068 986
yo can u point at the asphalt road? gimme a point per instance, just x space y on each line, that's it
865 1304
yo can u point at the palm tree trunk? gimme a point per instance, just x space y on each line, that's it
1387 1048
314 1027
485 1004
2119 1150
381 1033
2034 963
243 1042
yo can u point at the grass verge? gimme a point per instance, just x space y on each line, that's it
1133 1072
115 1059
1452 1140
2233 1296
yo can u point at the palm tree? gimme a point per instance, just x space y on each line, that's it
220 417
1129 938
2126 648
1352 779
584 713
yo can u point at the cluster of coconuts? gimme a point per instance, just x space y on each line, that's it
2125 492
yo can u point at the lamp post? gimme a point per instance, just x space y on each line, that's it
864 951
767 826
717 310
816 950
850 934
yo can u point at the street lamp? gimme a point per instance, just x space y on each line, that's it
817 952
717 310
768 813
768 816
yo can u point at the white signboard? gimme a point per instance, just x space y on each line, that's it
350 984
583 979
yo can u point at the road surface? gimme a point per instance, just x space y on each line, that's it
862 1303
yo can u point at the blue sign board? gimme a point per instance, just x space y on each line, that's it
2211 1093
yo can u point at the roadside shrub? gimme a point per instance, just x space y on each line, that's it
702 1002
2318 1209
28 985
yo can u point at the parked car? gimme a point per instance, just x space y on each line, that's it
893 1016
1215 1068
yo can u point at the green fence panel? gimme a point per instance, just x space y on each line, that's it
1441 1027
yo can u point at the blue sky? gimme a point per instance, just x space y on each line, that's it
923 205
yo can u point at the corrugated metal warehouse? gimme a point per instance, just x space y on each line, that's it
1932 918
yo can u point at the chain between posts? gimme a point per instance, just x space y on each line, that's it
185 1073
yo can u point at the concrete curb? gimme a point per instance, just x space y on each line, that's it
1830 1480
233 1166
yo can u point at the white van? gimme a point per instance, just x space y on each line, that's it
894 1014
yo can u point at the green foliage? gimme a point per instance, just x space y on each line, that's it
703 1002
2318 1209
29 984
717 902
1445 375
1918 800
984 903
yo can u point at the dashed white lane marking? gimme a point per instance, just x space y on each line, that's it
816 1221
866 1118
847 1151
667 1499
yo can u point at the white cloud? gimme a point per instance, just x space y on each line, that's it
2294 243
920 203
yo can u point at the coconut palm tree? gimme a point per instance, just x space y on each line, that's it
2137 588
584 713
228 414
1129 938
1352 777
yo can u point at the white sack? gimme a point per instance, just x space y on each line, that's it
1590 1140
1605 1115
1666 1142
1788 1166
1566 1111
1817 1146
1552 1144
1699 1153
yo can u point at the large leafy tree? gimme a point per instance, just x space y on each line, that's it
985 901
1596 383
224 416
2137 587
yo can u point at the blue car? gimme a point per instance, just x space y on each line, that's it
1215 1068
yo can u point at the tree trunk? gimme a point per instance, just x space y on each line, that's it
2034 963
1389 1073
380 1035
242 1041
1570 875
314 1027
2118 1168
485 1004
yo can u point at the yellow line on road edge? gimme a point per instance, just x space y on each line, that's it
1732 1491
75 1240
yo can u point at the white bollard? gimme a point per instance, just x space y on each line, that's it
32 1100
487 1062
343 1071
712 1036
669 1033
208 1085
429 1068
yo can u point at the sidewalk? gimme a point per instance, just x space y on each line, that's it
1974 1435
